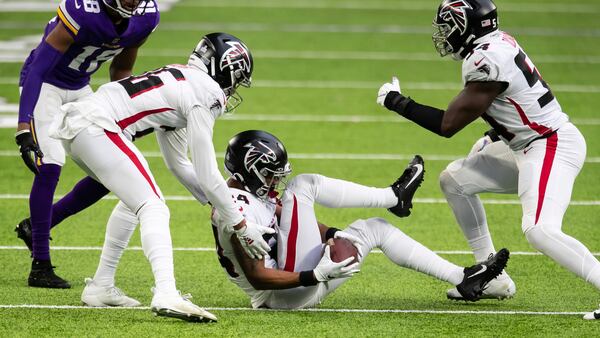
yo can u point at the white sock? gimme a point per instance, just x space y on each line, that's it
156 242
334 193
120 227
405 251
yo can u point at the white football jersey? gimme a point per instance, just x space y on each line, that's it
527 109
256 211
161 98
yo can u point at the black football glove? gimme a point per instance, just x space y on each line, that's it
28 149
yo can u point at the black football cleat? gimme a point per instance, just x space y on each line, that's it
42 276
479 275
406 186
23 230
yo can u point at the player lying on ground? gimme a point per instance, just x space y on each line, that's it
301 274
75 44
504 88
181 103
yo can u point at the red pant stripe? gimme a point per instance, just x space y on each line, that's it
551 145
116 139
290 259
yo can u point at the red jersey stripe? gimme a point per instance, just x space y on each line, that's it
124 123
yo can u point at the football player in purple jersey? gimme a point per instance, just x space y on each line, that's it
83 35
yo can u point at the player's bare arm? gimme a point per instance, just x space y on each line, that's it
467 106
260 277
122 64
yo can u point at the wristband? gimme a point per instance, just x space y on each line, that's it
493 135
330 233
307 278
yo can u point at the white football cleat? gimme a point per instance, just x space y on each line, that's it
103 296
592 315
180 307
500 288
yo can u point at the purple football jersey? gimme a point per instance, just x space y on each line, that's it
97 39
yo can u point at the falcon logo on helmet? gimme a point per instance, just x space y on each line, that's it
254 155
456 12
236 55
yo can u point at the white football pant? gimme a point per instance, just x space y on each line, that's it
543 174
115 162
300 246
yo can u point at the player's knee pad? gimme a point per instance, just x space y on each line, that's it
304 185
541 236
448 184
373 230
153 210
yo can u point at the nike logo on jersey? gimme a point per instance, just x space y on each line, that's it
478 62
526 150
78 6
483 269
419 170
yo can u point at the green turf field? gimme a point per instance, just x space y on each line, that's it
319 64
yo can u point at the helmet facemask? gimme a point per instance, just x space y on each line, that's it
126 10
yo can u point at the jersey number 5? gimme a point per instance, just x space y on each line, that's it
136 85
533 76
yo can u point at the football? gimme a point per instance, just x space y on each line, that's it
341 249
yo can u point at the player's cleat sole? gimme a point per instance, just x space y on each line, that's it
194 318
42 276
99 296
23 230
500 288
406 186
478 276
180 307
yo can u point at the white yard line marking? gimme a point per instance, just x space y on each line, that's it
317 310
576 8
139 248
317 84
331 156
338 28
417 200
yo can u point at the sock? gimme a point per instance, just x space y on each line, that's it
405 251
156 242
40 208
334 193
120 227
470 215
85 193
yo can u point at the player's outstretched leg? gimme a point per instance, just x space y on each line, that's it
406 186
479 275
105 296
180 307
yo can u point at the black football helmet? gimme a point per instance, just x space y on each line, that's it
258 160
458 23
228 61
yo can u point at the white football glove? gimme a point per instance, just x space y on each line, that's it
393 86
327 269
355 241
250 237
480 144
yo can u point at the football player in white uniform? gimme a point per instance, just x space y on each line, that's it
502 86
181 104
300 272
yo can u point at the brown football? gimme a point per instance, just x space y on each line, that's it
341 249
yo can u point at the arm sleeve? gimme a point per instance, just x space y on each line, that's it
45 59
173 145
199 128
